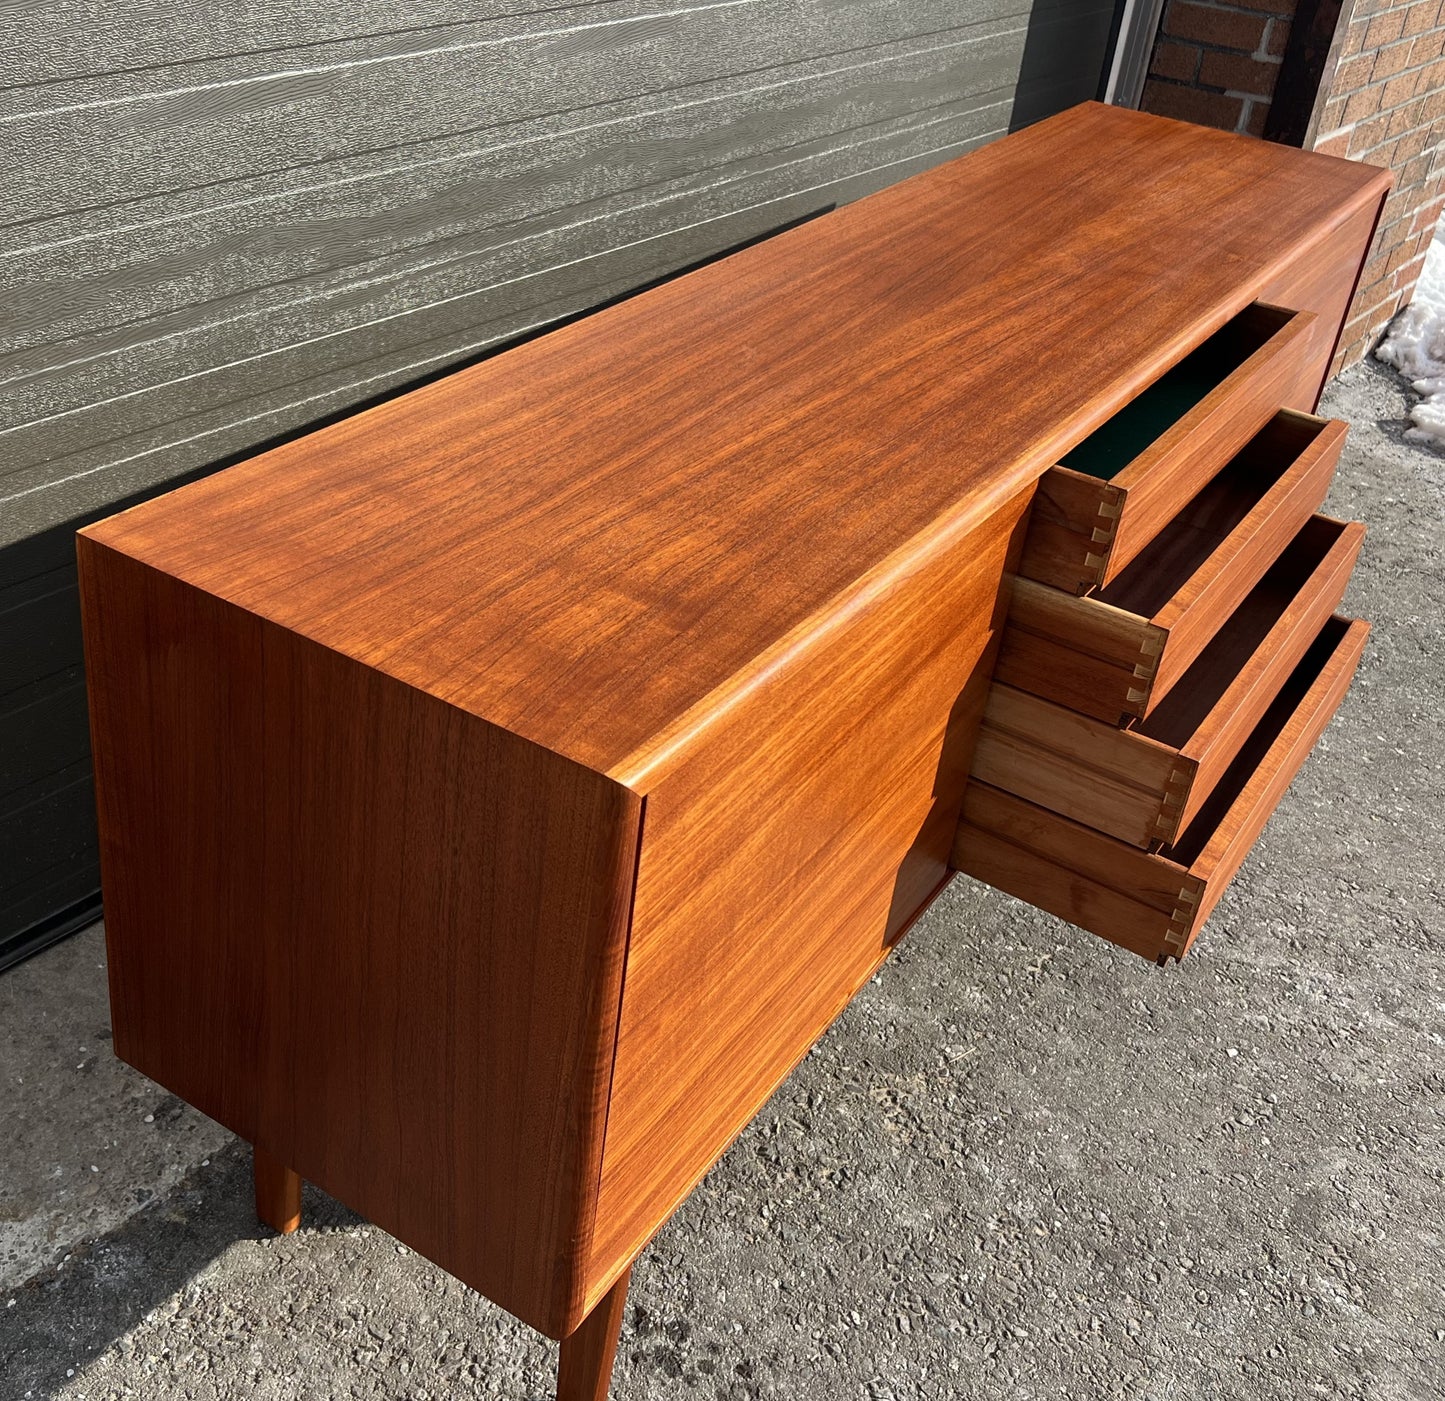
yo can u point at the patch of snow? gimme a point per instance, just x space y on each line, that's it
1415 345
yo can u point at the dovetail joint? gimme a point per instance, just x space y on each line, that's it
1151 651
1171 808
1177 935
1106 524
1151 645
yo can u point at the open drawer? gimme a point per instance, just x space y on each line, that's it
1113 492
1118 652
1145 784
1155 904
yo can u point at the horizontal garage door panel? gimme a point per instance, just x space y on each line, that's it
223 224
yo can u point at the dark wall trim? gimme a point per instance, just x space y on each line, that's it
1307 58
16 948
1131 45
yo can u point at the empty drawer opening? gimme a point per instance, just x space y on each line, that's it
1189 846
1181 713
1165 565
1149 415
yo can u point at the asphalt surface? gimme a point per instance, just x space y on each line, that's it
1023 1164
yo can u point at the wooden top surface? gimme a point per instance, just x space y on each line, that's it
599 539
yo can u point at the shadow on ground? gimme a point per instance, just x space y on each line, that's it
58 1321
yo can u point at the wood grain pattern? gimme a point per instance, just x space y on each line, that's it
1224 832
401 986
231 257
720 447
176 323
1088 655
1170 472
1325 283
1115 520
1120 650
1196 571
585 1368
1086 877
786 850
549 755
1155 905
1115 780
1071 530
1103 630
1070 544
1224 695
1145 784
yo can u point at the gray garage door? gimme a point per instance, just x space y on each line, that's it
225 223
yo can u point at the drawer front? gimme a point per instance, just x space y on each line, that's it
1145 784
784 851
1119 651
1155 904
1104 502
1113 780
1087 655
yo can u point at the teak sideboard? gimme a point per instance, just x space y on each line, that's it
503 788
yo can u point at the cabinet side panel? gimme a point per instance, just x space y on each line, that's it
1323 280
785 852
373 934
173 678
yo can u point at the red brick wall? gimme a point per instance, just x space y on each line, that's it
1381 99
1385 103
1216 64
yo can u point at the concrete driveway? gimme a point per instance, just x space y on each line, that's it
1021 1165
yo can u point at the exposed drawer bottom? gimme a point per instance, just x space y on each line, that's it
1154 904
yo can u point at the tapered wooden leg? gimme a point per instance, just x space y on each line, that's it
278 1193
586 1370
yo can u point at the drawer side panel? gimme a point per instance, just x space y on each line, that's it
1164 478
1198 610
